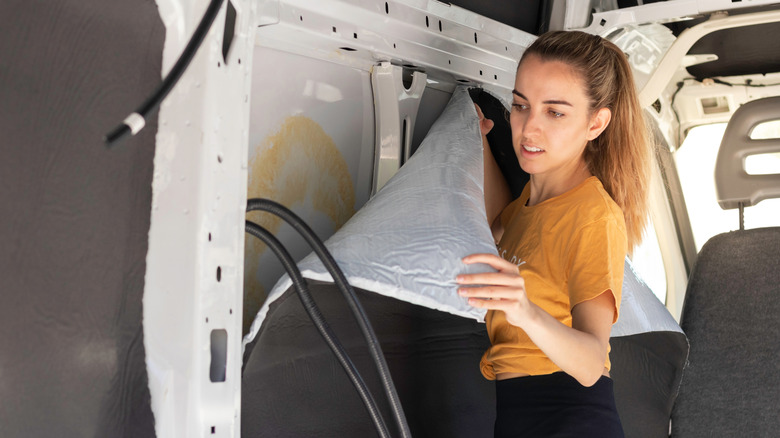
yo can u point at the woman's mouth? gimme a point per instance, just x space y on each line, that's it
532 148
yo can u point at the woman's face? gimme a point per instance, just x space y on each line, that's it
550 118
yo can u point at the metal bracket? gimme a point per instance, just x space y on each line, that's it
395 110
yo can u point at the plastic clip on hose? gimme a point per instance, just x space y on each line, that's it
349 294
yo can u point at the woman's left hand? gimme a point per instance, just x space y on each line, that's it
503 290
578 350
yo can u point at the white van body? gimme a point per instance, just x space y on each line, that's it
335 70
315 104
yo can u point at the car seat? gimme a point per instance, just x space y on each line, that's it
731 312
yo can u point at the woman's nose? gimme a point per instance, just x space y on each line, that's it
530 124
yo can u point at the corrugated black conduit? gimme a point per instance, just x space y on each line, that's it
349 294
302 288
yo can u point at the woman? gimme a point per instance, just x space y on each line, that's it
578 130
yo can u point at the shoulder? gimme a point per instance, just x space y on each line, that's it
591 205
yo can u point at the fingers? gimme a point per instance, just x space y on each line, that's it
479 112
503 305
491 292
485 125
492 278
493 261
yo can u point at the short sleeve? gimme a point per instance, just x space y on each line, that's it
595 263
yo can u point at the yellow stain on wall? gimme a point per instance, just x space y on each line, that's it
297 165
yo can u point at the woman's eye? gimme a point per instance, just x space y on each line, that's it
556 114
520 106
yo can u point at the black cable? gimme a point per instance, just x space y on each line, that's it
301 287
137 120
349 294
676 114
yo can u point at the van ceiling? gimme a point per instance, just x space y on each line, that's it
530 16
741 51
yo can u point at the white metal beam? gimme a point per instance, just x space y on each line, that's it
448 43
194 278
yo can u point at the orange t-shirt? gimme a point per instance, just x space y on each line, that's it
569 249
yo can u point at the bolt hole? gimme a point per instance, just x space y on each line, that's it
348 49
449 61
480 72
218 368
475 38
603 22
231 311
495 77
439 25
463 81
354 35
387 8
301 17
219 158
213 430
219 273
239 60
209 237
426 22
334 29
394 45
219 64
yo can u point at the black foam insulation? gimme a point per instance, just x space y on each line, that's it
76 216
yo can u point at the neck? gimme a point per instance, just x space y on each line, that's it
544 187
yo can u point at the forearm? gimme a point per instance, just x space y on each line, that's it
579 350
580 354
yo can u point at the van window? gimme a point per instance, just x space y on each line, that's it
648 263
695 161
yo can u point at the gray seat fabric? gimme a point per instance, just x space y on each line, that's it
731 315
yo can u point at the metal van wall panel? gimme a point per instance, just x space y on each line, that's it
311 148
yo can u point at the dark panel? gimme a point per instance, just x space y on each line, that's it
293 386
647 369
531 16
741 51
73 239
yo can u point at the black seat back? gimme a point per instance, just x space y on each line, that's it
648 354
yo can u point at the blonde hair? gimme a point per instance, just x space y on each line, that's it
621 156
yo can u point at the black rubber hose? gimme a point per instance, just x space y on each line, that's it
322 326
137 120
349 294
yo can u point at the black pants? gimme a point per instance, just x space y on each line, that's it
555 405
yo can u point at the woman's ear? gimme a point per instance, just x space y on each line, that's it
598 123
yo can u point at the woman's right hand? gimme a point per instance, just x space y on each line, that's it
485 125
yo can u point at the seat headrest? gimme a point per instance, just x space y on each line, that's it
733 184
